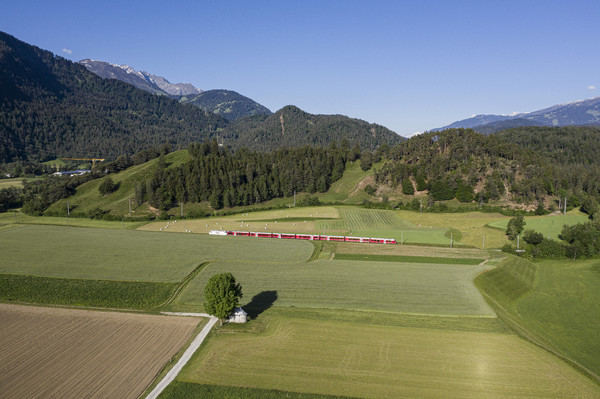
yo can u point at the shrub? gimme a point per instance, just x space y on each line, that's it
107 186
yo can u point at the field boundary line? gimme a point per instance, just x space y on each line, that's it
184 284
187 355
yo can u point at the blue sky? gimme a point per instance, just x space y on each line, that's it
408 65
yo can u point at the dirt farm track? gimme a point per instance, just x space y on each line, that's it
68 353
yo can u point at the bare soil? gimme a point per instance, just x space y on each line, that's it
70 353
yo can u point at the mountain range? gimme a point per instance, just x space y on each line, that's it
227 103
140 79
582 112
51 107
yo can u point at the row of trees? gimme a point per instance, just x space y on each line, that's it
580 240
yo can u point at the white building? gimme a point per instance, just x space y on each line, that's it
238 316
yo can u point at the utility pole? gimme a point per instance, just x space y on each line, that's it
294 198
68 212
421 205
518 237
129 206
565 210
450 240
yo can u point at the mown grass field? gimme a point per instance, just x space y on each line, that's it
54 251
459 229
298 220
410 259
549 225
370 361
422 288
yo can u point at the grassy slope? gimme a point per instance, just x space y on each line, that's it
88 197
564 308
551 303
347 189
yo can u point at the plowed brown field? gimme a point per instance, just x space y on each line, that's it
68 353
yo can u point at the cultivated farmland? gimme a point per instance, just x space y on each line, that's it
67 353
344 358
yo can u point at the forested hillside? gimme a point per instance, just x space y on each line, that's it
466 165
565 145
242 178
290 127
226 103
52 107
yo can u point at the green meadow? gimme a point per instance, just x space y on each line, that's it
377 361
420 288
549 225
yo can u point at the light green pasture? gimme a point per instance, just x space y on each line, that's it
417 288
549 225
367 361
54 251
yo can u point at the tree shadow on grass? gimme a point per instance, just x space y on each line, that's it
260 302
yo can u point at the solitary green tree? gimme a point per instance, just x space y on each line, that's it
515 227
222 294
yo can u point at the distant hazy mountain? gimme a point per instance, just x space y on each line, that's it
494 127
582 112
292 127
140 79
226 103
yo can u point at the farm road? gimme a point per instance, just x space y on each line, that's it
187 355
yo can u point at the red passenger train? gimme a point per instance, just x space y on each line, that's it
313 237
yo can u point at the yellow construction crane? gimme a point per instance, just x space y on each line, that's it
86 159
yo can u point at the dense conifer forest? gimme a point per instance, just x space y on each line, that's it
245 177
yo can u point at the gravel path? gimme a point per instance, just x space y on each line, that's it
187 355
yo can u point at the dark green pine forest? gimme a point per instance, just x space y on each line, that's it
242 178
